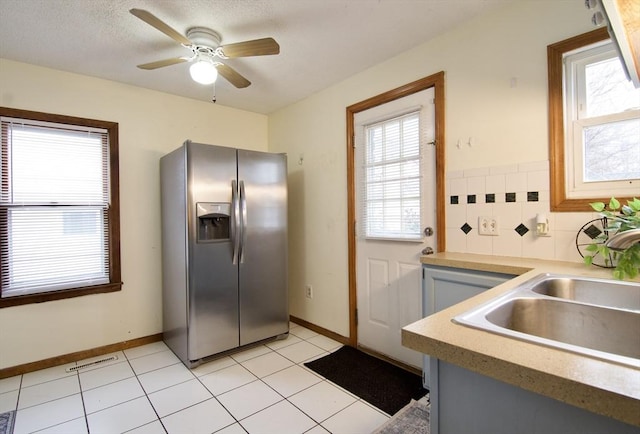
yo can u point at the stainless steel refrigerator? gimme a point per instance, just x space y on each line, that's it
224 249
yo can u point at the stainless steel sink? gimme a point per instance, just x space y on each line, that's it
569 313
612 293
587 326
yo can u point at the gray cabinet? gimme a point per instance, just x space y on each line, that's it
463 401
443 287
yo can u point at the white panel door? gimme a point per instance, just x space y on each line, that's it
388 271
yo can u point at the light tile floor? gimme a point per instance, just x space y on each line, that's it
147 390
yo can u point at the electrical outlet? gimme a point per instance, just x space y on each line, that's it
488 226
308 291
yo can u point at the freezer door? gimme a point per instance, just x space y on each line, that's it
213 277
264 309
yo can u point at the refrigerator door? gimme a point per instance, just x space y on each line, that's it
264 309
213 277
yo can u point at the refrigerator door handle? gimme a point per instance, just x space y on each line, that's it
243 220
235 224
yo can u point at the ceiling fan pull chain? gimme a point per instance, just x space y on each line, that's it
213 100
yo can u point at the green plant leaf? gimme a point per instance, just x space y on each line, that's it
634 204
603 250
588 260
592 248
597 206
614 204
627 210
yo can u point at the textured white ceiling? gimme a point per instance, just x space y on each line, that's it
321 41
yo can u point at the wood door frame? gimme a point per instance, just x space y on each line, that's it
435 81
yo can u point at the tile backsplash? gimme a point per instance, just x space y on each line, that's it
513 194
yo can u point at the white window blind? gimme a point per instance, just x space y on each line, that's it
391 207
53 207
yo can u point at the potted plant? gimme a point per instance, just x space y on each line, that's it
620 218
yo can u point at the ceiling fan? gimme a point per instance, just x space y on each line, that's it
205 48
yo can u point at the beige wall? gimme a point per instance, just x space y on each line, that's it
480 59
151 124
495 70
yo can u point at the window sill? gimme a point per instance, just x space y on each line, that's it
59 295
580 205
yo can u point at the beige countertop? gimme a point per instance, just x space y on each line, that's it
602 387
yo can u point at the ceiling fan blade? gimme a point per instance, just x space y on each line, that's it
153 21
232 76
257 47
163 63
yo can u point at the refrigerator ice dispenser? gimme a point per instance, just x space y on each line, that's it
213 221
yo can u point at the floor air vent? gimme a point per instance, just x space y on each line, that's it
94 363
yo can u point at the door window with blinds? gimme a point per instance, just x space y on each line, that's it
391 197
57 214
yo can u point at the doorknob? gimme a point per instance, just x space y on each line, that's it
427 251
428 231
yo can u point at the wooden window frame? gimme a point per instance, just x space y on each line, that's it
557 173
115 283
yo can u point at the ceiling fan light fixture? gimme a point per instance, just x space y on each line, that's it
205 47
203 71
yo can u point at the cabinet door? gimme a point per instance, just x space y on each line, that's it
443 287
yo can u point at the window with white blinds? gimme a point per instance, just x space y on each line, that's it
391 207
54 207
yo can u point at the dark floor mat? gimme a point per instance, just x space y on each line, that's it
380 383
